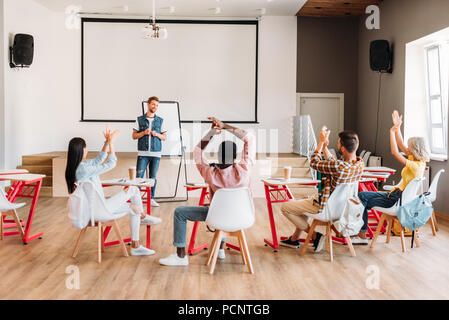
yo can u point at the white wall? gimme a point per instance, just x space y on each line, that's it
2 91
43 103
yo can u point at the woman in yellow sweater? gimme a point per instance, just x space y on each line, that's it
417 154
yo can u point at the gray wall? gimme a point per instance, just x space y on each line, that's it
2 88
328 60
402 21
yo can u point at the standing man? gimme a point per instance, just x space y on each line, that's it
149 130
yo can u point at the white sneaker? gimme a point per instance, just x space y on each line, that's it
174 260
221 254
154 203
142 251
359 241
150 220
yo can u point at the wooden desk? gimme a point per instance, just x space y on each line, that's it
380 170
25 185
277 191
145 186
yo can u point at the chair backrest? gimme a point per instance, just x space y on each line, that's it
366 158
97 204
231 210
433 186
362 153
4 203
338 199
411 190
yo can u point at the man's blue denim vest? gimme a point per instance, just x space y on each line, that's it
144 142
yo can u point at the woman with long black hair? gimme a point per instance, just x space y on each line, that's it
80 169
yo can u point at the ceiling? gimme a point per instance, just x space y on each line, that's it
335 8
187 8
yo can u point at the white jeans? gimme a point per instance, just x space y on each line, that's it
119 204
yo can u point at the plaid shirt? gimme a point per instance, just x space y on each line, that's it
336 172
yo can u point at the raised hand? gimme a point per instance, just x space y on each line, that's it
113 135
107 133
216 124
397 120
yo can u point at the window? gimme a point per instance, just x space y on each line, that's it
437 115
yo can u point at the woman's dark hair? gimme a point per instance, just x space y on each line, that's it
74 157
349 140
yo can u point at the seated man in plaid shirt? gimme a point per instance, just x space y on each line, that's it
349 169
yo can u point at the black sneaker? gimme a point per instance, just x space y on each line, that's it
319 241
289 243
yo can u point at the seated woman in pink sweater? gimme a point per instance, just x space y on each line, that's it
227 173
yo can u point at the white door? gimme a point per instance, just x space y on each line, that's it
324 109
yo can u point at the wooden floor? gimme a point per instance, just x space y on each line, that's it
38 270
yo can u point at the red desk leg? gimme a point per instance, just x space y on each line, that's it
192 249
274 243
128 240
26 237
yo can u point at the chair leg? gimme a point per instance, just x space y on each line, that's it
432 224
246 252
402 239
390 226
102 238
309 236
329 241
17 220
350 246
216 249
119 236
1 226
418 244
434 216
99 238
241 250
379 226
211 248
78 243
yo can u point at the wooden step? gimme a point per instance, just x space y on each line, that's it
296 172
292 162
37 160
38 169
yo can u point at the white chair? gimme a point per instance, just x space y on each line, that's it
101 217
330 214
230 213
432 197
389 214
366 158
389 187
9 209
362 154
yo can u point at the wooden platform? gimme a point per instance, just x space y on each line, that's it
38 270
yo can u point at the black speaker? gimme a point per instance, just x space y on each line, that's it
22 51
381 56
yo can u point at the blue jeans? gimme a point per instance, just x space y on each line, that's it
372 199
153 165
182 215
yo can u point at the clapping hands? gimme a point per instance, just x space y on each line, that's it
397 120
110 135
217 124
324 136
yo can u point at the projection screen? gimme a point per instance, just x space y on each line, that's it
208 67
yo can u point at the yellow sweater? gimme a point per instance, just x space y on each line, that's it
413 169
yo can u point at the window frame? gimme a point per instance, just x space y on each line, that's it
430 98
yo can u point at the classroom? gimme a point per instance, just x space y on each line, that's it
224 150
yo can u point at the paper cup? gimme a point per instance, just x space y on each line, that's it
287 172
132 173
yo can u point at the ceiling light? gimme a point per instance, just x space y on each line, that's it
153 30
216 10
262 11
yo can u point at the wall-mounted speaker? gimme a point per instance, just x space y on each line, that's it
381 56
22 51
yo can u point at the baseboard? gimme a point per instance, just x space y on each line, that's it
442 215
